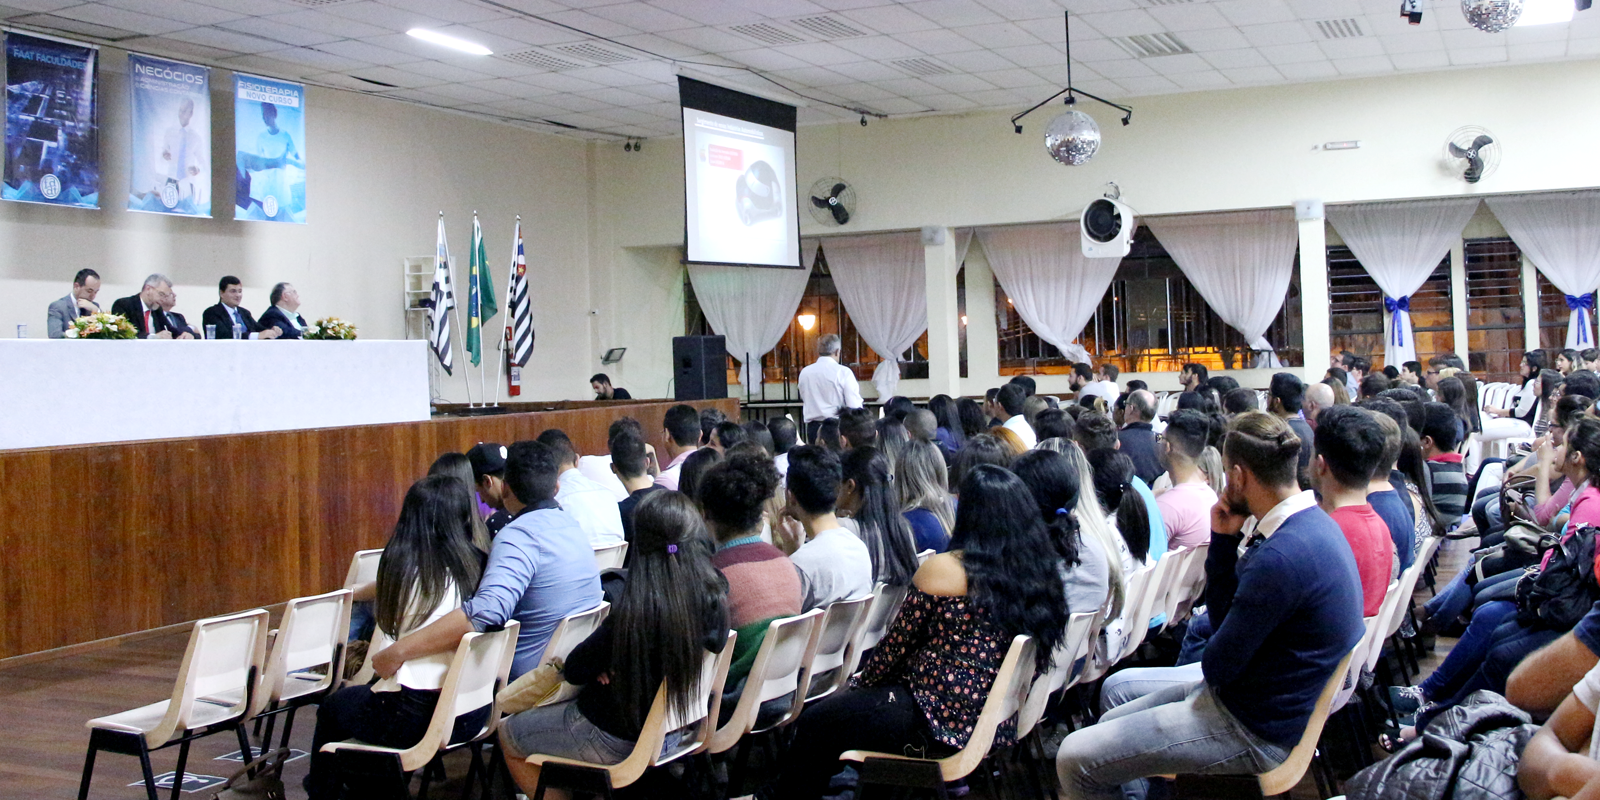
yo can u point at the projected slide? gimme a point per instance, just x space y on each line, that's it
739 191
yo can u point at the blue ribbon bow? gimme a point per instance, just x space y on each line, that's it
1582 304
1394 306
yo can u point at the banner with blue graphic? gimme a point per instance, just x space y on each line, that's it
269 122
170 166
52 138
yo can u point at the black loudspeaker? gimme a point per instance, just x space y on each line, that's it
699 367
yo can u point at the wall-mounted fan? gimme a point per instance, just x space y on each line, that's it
1472 152
833 202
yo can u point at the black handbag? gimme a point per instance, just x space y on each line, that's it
261 779
1556 597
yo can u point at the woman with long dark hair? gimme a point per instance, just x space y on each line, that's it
924 685
427 569
458 466
1454 394
868 498
981 449
973 421
1516 419
1085 571
950 434
1113 487
673 610
694 470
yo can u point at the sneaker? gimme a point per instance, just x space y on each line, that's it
1406 699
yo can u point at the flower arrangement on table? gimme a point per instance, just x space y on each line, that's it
101 326
329 328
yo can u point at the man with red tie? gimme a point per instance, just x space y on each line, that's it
145 309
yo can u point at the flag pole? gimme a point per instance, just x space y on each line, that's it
505 329
455 309
477 285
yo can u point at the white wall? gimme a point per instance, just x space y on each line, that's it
380 171
1246 148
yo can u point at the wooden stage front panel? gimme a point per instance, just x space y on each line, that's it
98 541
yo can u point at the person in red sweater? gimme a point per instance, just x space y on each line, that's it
1349 446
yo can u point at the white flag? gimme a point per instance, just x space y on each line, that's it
444 299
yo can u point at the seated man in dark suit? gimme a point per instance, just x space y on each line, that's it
175 322
282 315
232 320
1137 438
603 390
144 309
80 303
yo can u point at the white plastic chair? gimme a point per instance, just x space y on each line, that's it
1072 646
1004 700
569 633
310 634
476 674
224 658
611 556
780 669
1193 584
833 662
886 602
363 568
1106 657
1153 596
922 557
565 773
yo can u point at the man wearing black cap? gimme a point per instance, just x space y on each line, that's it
489 470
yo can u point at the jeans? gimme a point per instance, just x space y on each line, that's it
1195 639
1486 512
386 719
885 719
561 730
1457 596
1513 643
1469 652
1129 685
1182 728
363 620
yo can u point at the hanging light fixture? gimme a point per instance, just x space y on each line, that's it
1492 16
807 321
1073 137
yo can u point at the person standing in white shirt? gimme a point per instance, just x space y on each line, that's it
589 502
833 563
827 387
1008 409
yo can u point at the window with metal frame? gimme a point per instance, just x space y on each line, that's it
1495 337
1356 315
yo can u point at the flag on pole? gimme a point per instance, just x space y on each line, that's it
444 299
520 305
477 272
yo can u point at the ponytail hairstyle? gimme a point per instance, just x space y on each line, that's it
429 553
1054 484
878 520
1265 445
1113 485
1096 528
672 592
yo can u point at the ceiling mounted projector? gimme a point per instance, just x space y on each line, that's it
1107 229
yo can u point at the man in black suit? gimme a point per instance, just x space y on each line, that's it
1138 440
144 309
283 315
232 320
175 322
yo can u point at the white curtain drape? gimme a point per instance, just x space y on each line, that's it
751 307
963 244
1239 261
1400 244
1560 233
1054 287
881 281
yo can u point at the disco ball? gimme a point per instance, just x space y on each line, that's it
1492 16
1072 138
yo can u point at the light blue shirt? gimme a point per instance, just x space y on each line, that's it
541 570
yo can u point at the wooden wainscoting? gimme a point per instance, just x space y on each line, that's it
99 541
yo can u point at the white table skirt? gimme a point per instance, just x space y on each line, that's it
60 392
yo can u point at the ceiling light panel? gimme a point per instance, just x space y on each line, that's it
1345 28
1152 45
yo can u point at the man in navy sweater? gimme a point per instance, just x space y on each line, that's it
1285 599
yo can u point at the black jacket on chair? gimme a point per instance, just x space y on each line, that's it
218 315
277 318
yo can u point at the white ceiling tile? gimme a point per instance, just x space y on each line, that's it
1330 9
463 93
871 71
342 27
1152 85
252 7
666 48
194 14
527 31
1293 53
660 92
1246 76
860 92
1004 34
1364 65
41 5
709 40
959 84
1189 17
227 40
1472 37
1235 59
1363 47
449 10
1039 55
649 71
1538 33
1105 88
895 105
544 6
1016 10
938 42
909 87
954 13
1095 50
444 73
813 76
618 97
765 58
1121 70
1095 6
641 16
366 51
313 57
947 102
848 5
175 48
1429 59
821 53
1308 70
589 23
890 19
999 98
1275 33
710 12
265 65
1584 48
976 61
1537 51
1177 65
1467 56
879 48
558 82
1011 78
382 16
279 32
147 24
424 96
1122 23
416 49
1208 79
1214 39
607 76
1255 12
1418 42
407 80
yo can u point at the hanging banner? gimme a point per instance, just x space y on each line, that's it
52 138
171 161
269 124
